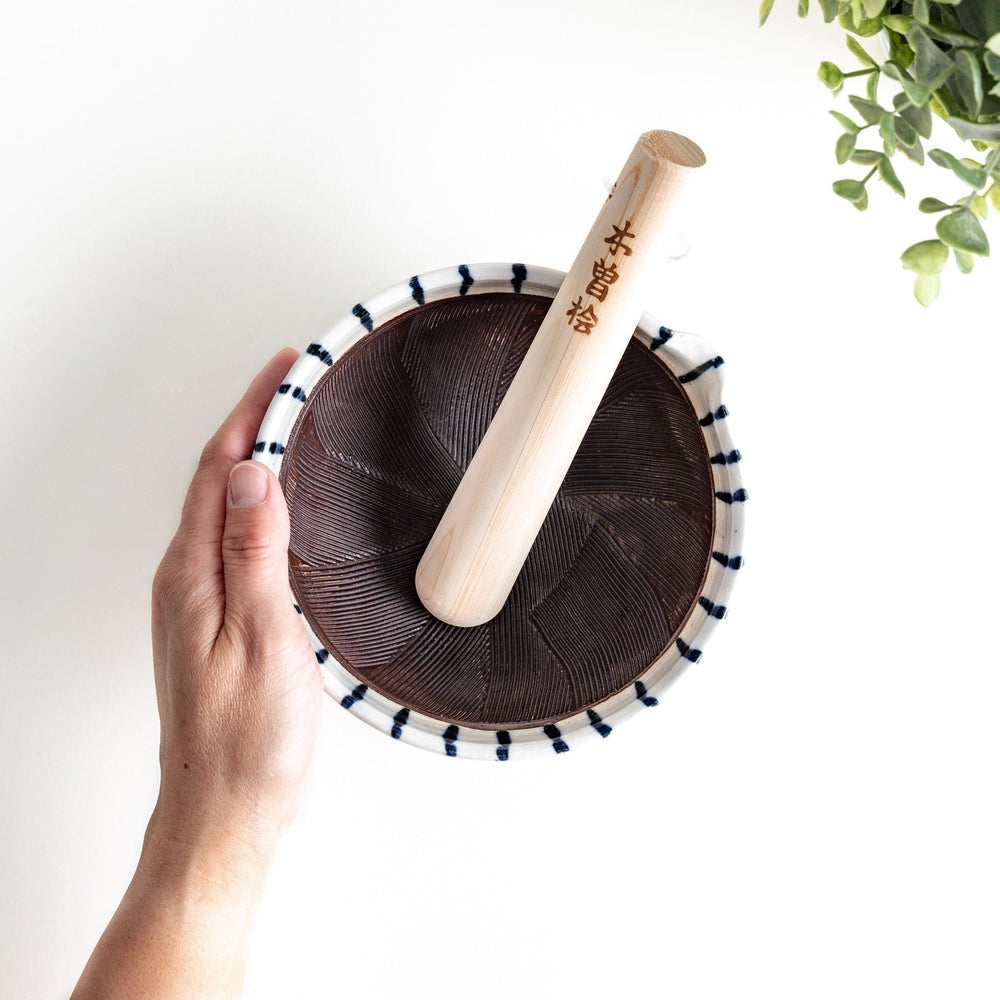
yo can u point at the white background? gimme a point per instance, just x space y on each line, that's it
812 810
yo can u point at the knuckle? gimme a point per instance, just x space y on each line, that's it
247 544
165 585
222 450
177 586
212 455
267 640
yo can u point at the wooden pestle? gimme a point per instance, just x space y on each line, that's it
472 561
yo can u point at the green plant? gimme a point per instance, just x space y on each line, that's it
944 60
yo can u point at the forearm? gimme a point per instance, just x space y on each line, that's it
183 928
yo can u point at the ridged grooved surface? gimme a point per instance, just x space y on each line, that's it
373 461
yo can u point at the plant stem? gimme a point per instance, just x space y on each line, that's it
860 72
868 176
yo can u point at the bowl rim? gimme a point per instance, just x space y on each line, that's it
697 368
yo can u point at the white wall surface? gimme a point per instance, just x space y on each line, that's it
812 810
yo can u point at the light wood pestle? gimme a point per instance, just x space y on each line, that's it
472 561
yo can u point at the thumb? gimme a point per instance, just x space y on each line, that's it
255 553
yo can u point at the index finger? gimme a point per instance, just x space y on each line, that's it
204 513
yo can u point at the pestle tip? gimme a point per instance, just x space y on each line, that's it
671 147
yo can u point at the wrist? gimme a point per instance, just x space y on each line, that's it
184 925
216 858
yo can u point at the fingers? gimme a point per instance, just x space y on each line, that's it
255 558
204 513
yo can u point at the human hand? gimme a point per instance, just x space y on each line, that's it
237 684
239 695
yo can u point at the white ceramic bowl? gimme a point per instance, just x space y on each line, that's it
698 370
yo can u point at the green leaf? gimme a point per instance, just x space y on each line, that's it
980 207
898 22
871 86
829 9
926 257
913 93
918 117
888 174
931 67
866 157
845 123
887 129
868 110
965 261
975 177
970 81
932 205
914 152
994 194
949 100
862 203
916 92
764 12
803 8
920 11
992 44
873 7
972 131
858 24
868 28
830 75
992 61
905 132
938 108
861 55
899 49
850 189
926 288
845 146
951 36
962 231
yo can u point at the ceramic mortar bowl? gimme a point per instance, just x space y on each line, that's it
369 436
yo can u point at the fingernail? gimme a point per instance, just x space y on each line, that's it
247 485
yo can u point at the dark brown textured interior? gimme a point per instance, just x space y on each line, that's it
373 461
